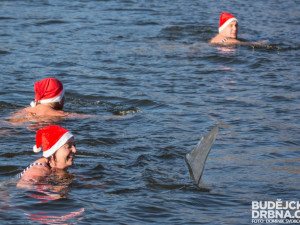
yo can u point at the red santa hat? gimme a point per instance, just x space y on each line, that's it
51 138
47 91
225 19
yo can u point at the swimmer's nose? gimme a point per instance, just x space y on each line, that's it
74 150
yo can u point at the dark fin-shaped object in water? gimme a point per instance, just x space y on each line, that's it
196 158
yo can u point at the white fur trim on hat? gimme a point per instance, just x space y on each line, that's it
58 98
58 144
226 24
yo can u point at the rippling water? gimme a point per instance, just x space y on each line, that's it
149 62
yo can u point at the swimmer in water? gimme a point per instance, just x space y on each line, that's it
49 102
228 30
59 151
48 105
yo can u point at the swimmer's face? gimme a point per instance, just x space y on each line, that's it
231 30
65 155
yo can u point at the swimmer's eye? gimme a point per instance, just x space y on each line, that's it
70 145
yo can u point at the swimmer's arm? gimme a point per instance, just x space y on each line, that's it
260 43
62 114
76 115
241 42
232 41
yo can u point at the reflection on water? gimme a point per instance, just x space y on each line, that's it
54 188
56 217
227 49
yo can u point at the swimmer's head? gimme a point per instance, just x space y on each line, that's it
50 139
49 90
228 25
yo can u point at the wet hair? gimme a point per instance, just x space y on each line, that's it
50 158
53 156
57 105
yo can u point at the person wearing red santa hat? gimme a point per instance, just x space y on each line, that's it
49 90
48 105
49 102
228 30
59 150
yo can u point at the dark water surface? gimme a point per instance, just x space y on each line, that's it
150 61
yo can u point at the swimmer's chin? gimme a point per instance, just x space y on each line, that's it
70 159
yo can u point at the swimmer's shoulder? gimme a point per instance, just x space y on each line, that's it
230 41
37 170
222 40
45 111
215 40
58 113
19 116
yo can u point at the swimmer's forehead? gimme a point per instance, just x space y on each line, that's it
70 141
233 22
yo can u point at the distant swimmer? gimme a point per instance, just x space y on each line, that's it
228 32
59 150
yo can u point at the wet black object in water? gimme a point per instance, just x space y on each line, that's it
196 158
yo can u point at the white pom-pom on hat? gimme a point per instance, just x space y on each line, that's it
36 150
33 104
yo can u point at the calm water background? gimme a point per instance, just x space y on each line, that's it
150 61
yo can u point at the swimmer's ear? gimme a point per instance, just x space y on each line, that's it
36 149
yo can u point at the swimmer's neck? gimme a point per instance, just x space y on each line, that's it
52 166
227 37
53 106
